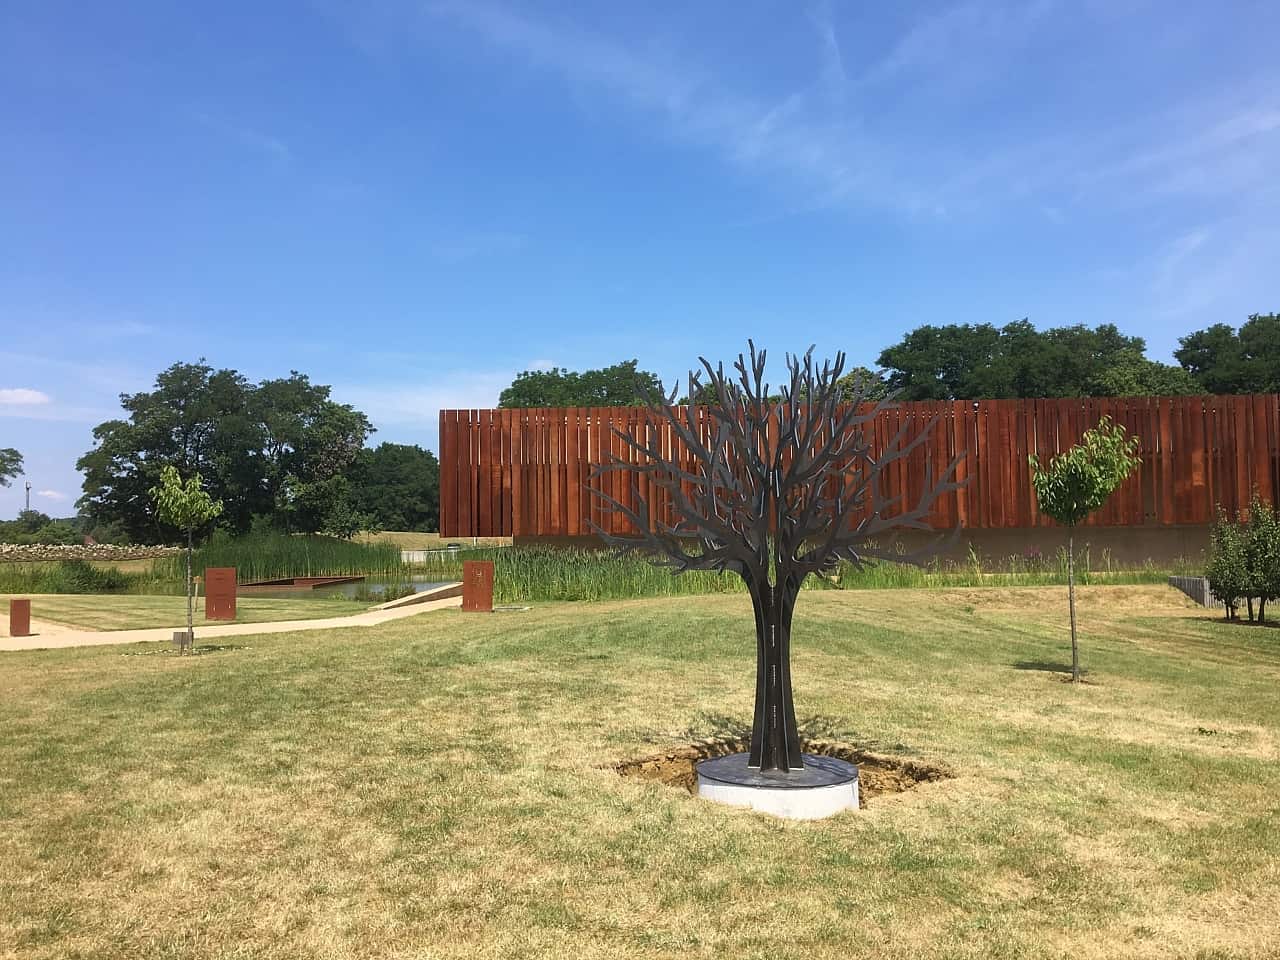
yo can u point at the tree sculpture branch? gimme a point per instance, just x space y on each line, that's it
772 488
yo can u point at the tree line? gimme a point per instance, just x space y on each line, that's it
986 362
280 454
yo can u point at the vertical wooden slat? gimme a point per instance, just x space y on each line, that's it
526 472
484 463
445 524
1259 447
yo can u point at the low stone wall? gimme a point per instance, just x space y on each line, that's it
38 553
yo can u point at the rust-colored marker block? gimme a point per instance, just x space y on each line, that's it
19 618
220 593
477 586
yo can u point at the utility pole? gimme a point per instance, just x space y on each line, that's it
28 496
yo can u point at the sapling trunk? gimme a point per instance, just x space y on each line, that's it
1071 603
191 637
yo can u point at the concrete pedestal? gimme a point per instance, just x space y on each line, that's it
824 787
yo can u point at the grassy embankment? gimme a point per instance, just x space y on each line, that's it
441 787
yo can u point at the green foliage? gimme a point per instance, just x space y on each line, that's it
617 386
344 522
70 576
32 526
1226 570
252 443
1079 481
1133 375
870 385
1244 563
1262 553
1225 361
398 485
56 532
526 574
183 506
10 465
547 573
981 361
271 555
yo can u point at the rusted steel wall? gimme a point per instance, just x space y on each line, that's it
524 472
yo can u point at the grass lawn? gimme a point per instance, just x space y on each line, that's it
440 787
137 612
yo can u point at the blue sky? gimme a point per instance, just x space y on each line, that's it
413 201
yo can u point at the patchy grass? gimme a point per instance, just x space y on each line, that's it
137 612
441 787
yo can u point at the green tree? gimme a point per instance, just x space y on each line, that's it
185 507
1075 484
1226 571
344 521
620 385
980 361
871 385
310 443
1223 360
939 363
56 532
1261 536
197 420
29 521
256 445
10 465
398 485
1133 375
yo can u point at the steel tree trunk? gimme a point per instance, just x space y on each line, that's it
775 742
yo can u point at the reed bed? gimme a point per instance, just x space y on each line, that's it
272 556
79 576
553 573
546 573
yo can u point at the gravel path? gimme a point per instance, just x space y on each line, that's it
47 635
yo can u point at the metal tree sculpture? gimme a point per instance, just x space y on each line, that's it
780 488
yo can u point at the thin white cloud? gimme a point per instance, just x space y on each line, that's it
23 397
421 402
269 146
55 495
470 247
777 136
837 156
833 72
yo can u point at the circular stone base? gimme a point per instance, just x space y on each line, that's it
824 787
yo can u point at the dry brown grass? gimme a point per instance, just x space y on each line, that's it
138 611
440 787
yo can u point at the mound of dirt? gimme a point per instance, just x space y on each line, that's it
878 775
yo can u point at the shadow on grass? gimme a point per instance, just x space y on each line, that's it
717 726
1241 622
199 650
1046 666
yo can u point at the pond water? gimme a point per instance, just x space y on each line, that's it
369 586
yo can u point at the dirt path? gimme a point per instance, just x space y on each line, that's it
51 635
